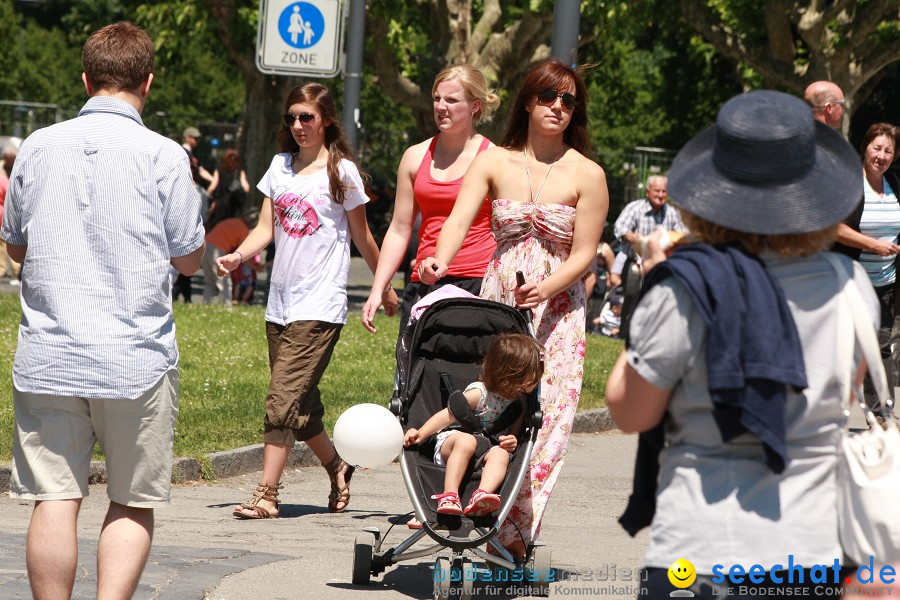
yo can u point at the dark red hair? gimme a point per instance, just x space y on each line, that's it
231 160
554 75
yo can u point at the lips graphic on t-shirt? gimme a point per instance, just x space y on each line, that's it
296 216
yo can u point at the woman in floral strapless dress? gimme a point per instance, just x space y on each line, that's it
549 205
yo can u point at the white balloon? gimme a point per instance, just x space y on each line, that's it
368 436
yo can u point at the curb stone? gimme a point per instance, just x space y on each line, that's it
248 459
593 421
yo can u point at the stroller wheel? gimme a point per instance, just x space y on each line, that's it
541 572
441 577
363 551
469 574
455 580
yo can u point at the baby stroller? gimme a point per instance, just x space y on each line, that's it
444 354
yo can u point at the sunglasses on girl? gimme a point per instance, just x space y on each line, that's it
550 95
304 118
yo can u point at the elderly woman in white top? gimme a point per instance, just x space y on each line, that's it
881 212
880 221
731 369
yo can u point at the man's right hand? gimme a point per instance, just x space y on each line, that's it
655 253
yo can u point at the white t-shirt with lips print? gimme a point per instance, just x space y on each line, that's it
312 242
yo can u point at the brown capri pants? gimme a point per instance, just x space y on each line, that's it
299 352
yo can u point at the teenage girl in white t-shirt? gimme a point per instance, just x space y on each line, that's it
314 205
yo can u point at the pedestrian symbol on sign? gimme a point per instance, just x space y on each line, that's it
301 25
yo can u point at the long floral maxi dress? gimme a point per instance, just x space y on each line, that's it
536 238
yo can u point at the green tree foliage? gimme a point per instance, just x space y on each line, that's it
660 69
792 44
42 62
650 84
37 63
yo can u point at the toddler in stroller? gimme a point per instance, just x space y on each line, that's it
436 358
512 367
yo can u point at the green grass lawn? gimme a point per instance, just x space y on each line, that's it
225 373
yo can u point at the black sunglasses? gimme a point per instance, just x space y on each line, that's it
304 118
550 95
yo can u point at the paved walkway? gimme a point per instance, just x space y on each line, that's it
201 552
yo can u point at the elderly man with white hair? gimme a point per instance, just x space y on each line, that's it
642 217
637 220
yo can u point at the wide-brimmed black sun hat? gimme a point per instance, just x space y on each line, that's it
767 167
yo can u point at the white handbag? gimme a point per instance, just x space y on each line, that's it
868 476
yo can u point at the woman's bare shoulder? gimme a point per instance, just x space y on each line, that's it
495 154
414 155
585 167
419 148
491 160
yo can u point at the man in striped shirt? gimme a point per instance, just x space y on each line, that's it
637 220
642 217
97 208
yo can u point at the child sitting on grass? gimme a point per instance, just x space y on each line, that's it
512 366
610 320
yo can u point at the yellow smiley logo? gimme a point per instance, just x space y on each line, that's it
682 573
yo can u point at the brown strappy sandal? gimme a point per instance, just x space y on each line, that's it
338 494
266 492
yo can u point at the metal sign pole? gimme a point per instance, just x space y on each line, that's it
356 32
566 20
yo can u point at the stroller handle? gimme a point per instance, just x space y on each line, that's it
529 316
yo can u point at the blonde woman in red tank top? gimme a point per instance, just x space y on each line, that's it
428 181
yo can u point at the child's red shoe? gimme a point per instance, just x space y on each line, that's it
448 503
482 503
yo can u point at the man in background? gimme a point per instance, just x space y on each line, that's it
191 139
101 206
182 285
637 220
827 102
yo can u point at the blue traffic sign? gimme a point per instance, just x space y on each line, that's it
301 25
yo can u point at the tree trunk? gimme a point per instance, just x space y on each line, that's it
503 52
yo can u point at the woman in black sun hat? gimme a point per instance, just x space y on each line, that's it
731 371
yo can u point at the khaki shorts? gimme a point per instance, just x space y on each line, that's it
55 438
299 353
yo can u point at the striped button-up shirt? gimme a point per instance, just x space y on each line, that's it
639 217
102 204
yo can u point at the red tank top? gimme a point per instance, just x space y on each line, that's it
435 200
